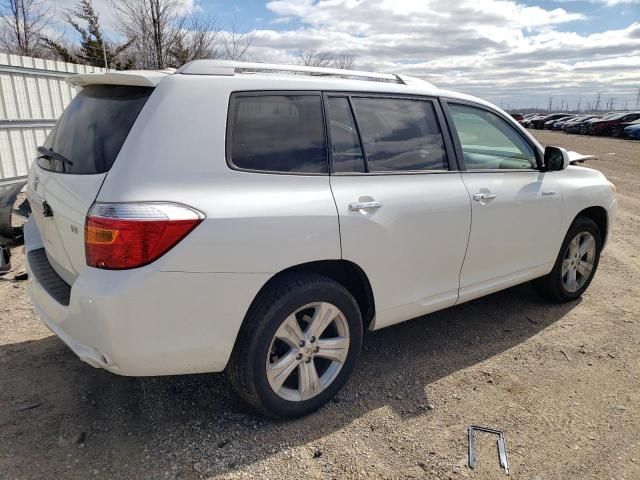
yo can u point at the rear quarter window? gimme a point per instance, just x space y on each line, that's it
93 128
277 133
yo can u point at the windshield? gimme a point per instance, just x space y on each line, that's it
614 117
93 128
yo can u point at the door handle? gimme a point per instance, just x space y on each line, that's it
356 206
479 197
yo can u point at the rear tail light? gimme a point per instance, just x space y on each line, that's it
129 235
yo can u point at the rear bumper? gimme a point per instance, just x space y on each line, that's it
145 322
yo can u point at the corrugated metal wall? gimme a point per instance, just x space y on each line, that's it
33 94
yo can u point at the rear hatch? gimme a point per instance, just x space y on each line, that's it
72 165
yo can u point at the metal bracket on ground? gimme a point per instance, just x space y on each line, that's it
502 447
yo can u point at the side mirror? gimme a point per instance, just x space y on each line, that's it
555 158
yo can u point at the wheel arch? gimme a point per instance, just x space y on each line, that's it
600 217
347 273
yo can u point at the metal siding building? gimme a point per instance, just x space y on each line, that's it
33 94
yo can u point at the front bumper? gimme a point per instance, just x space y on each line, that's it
145 322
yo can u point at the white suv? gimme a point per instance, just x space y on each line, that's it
259 218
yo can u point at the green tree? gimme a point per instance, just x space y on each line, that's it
93 48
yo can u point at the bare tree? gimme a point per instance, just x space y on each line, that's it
154 26
203 37
313 58
200 38
344 60
22 22
236 45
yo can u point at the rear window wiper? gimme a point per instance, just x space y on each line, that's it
48 153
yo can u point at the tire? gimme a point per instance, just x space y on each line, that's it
557 286
267 339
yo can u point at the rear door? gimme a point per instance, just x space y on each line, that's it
404 211
516 208
77 154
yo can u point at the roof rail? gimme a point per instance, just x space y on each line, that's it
229 67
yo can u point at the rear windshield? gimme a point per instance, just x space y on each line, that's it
93 128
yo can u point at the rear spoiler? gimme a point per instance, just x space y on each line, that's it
139 78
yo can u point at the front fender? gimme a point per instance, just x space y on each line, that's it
585 188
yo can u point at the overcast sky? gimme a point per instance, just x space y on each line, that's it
514 53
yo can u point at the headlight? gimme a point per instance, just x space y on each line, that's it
613 187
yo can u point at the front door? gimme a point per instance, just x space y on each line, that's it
404 214
516 208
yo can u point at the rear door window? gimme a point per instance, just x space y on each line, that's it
345 144
93 128
400 134
277 133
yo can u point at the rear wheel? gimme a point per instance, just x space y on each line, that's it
576 263
297 347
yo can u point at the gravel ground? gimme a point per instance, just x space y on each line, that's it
562 381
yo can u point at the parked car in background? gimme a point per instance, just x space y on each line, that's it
558 124
517 116
633 130
530 119
619 129
550 124
210 219
586 127
538 124
573 125
605 126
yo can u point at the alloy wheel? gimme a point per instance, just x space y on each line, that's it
578 261
307 351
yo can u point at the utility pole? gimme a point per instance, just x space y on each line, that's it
104 52
597 105
550 104
612 104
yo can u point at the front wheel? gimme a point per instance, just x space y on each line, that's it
576 263
298 346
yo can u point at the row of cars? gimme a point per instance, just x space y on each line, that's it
615 124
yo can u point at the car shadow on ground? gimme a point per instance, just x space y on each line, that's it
153 422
